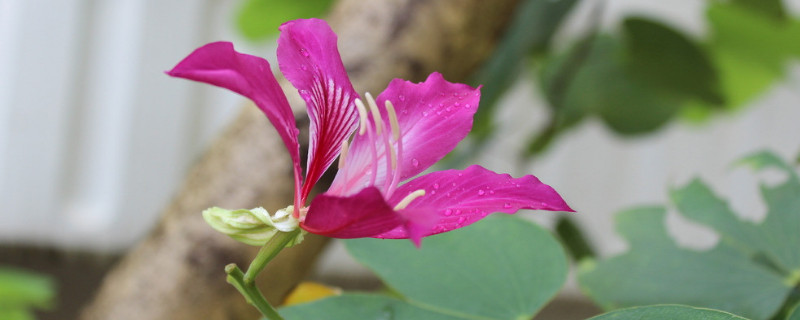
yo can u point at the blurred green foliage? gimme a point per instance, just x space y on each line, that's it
258 20
752 271
645 74
22 291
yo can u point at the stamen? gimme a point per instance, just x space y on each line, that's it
394 160
362 116
393 120
376 114
343 154
407 200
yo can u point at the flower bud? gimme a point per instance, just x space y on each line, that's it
254 227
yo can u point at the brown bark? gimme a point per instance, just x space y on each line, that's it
177 272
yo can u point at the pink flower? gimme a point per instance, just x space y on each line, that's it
408 128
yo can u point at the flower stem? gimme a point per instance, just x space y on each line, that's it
245 281
267 252
251 292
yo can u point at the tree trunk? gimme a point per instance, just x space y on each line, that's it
177 272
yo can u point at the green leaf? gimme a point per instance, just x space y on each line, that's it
19 288
361 306
573 239
750 272
604 86
777 237
11 313
260 19
533 26
667 58
750 48
667 312
769 8
794 313
499 268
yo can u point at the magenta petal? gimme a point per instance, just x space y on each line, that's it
461 197
434 116
309 58
364 214
217 63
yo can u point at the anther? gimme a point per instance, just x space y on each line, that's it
362 117
376 114
393 120
407 200
343 154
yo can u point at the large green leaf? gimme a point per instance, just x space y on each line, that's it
260 19
750 272
533 26
500 268
777 237
667 58
667 312
362 306
604 86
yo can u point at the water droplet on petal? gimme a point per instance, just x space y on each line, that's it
448 212
304 52
507 205
436 186
304 67
456 104
481 192
401 97
460 175
461 219
415 162
491 191
466 106
458 212
433 191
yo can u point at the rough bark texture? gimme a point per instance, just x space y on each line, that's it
177 272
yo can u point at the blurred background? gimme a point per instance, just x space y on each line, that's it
610 102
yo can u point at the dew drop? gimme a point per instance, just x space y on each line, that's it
507 205
455 94
460 175
466 106
461 219
491 191
304 52
436 186
456 104
433 191
458 212
401 97
304 67
448 212
415 162
481 192
448 109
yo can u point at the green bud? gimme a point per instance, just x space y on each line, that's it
254 227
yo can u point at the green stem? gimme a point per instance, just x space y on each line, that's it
251 292
267 252
245 281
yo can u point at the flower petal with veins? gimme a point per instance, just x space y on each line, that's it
461 197
308 57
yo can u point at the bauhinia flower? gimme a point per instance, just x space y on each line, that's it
395 137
